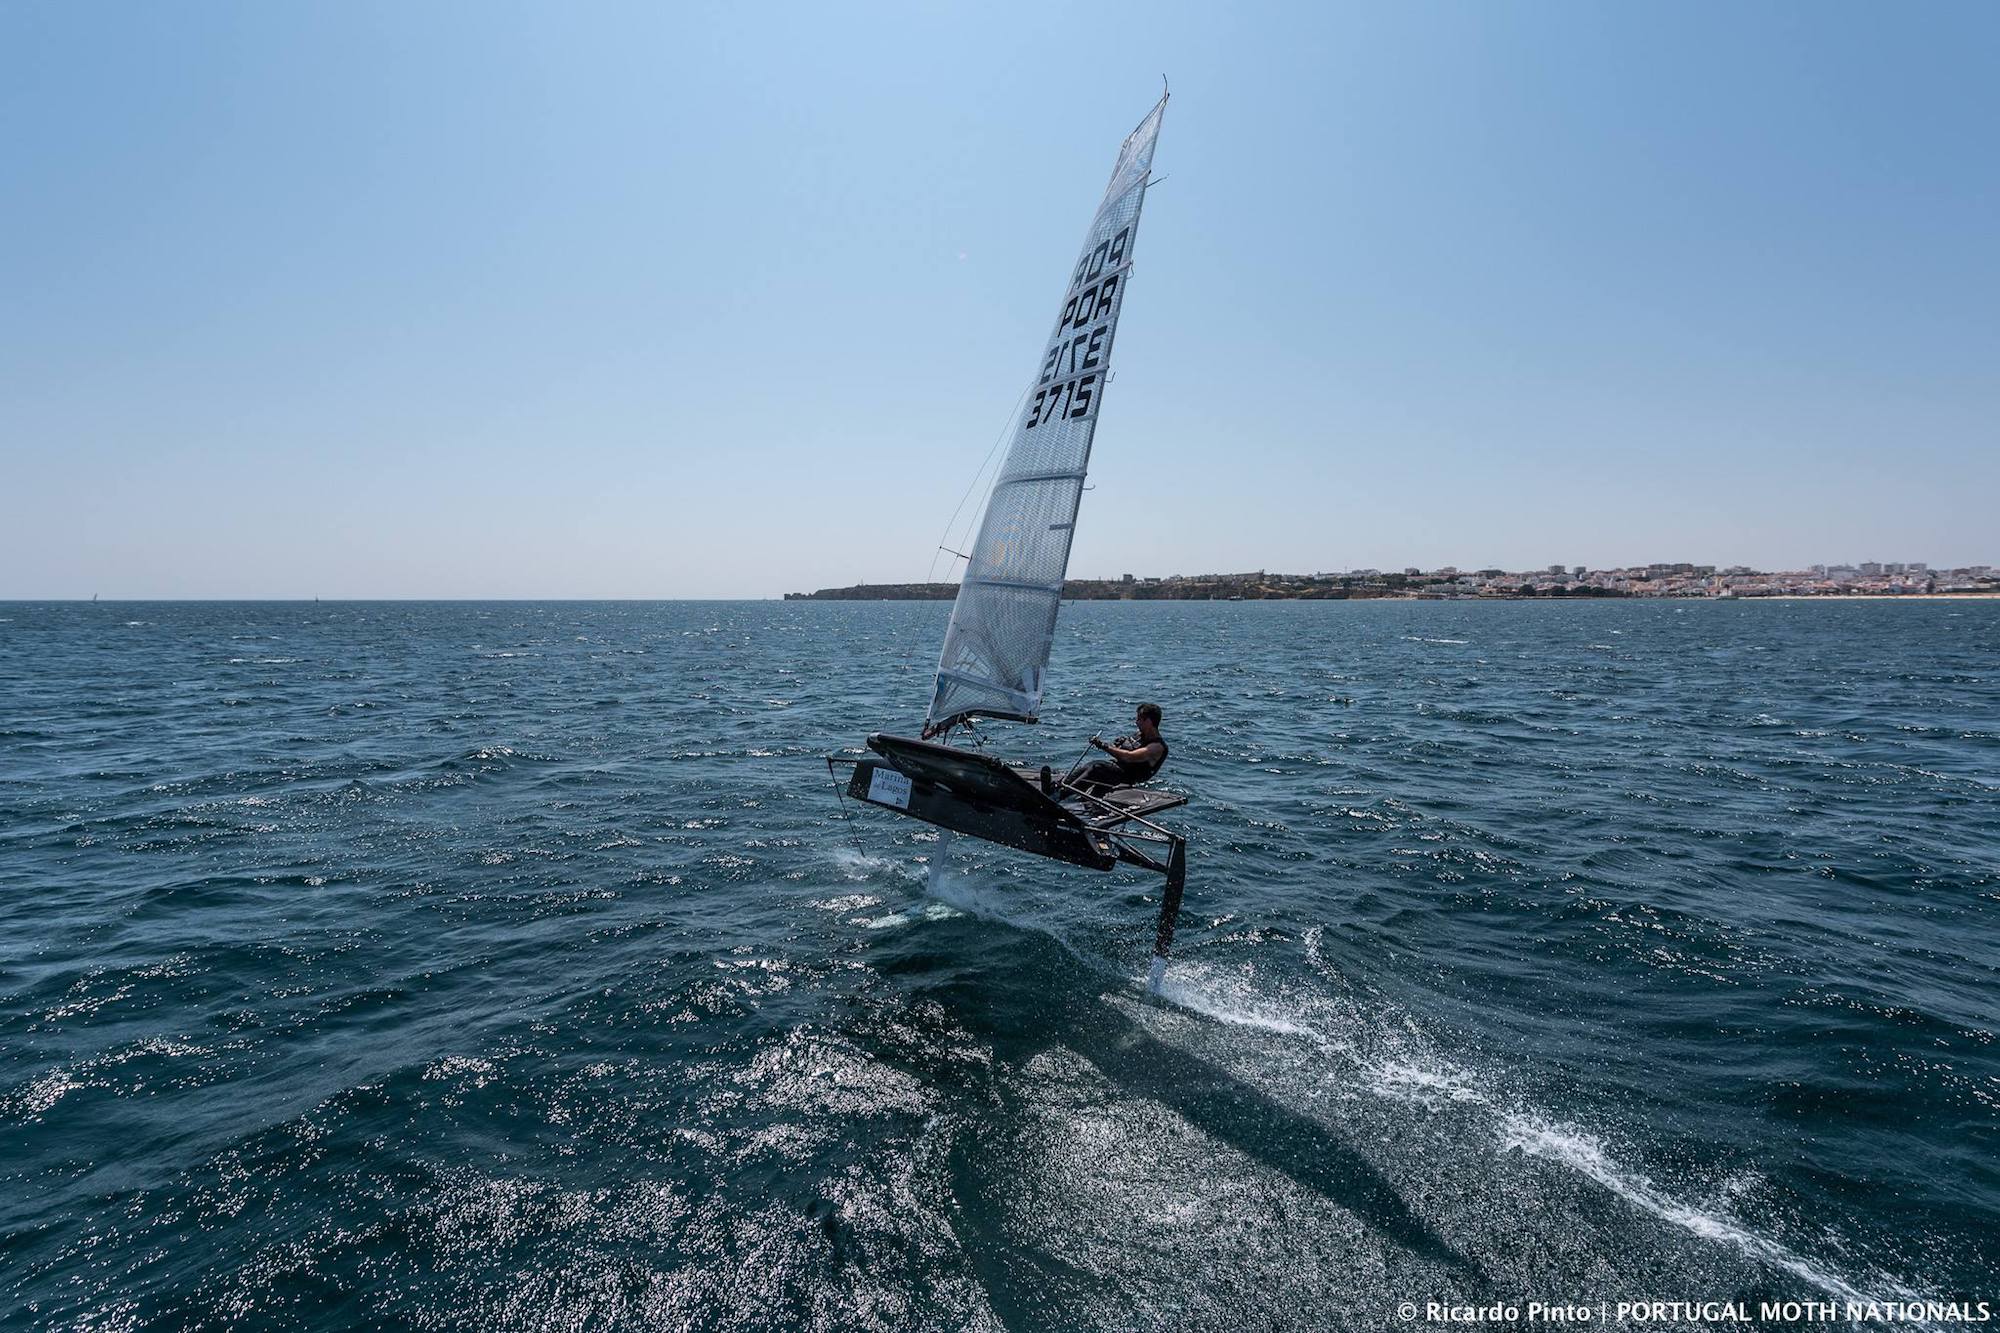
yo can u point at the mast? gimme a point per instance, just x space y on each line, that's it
1003 622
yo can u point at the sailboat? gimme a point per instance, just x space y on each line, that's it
996 648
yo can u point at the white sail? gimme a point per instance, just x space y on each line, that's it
1005 617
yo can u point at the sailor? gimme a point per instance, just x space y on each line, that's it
1134 759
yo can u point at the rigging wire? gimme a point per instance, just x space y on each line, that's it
840 795
945 542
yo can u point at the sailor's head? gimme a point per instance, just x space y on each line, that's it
1148 717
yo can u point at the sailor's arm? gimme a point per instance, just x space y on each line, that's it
1143 754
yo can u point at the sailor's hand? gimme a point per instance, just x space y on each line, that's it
1098 742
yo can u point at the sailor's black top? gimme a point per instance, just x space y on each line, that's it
1136 773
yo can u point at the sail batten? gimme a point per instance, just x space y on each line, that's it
1052 589
1038 476
1003 623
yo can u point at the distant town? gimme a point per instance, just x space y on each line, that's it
1449 583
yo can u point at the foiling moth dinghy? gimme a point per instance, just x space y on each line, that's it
967 791
1003 622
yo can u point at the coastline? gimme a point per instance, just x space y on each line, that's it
1851 597
949 592
1449 584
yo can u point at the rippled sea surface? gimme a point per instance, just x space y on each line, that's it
477 965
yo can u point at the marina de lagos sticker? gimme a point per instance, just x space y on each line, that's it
888 787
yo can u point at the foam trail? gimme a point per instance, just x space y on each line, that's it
856 864
1422 1076
930 912
1188 992
1583 1154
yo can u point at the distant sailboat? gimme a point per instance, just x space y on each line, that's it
996 648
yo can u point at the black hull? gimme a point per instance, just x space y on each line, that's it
977 795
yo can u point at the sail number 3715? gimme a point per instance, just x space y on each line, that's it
1071 398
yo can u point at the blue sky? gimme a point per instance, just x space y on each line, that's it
659 300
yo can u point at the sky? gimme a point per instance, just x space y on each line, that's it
663 300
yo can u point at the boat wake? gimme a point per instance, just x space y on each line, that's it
1383 1055
859 865
928 912
1367 1048
1580 1152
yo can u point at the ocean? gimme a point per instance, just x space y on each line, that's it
516 965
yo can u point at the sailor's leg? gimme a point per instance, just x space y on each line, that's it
1170 911
1097 776
940 855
